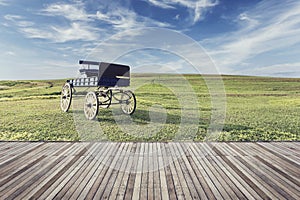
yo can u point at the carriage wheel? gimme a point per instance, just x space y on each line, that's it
128 102
66 97
91 105
105 99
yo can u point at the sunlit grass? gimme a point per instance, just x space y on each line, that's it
258 109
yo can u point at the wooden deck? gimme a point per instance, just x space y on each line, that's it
149 170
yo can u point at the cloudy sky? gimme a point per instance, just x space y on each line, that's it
45 39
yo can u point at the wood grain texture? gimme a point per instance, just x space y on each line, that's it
106 170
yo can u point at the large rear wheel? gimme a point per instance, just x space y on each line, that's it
66 97
91 105
128 102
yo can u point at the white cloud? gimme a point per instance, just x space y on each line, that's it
123 19
82 25
200 8
118 17
12 17
10 53
3 2
73 12
285 69
197 8
161 4
248 22
36 33
265 28
155 46
75 31
18 21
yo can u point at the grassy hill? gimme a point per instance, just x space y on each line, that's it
257 109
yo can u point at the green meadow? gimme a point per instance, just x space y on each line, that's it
257 109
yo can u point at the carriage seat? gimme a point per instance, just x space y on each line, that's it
89 72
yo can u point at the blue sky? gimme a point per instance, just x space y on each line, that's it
45 39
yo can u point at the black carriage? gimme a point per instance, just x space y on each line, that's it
108 81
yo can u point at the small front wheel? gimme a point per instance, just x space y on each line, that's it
66 97
128 102
91 105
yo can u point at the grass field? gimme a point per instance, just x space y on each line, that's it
257 109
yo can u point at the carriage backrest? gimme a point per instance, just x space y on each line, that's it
111 74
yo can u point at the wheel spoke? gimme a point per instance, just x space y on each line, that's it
66 97
128 102
91 105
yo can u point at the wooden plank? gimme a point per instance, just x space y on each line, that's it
26 163
195 186
145 173
176 181
253 179
75 185
12 147
277 165
202 189
9 147
113 172
278 161
31 181
150 171
275 187
138 177
169 179
287 148
224 186
288 162
81 178
104 166
208 186
213 174
228 178
132 174
51 190
252 183
11 169
46 178
121 172
287 152
18 153
238 185
282 154
99 156
156 177
24 176
294 145
179 171
162 175
234 181
274 179
4 145
125 179
49 180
